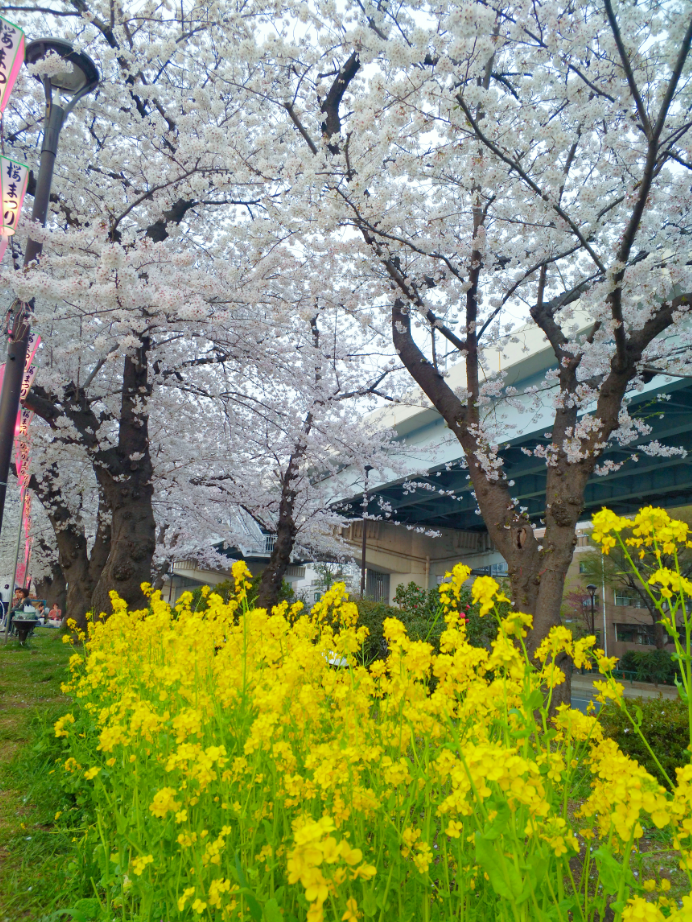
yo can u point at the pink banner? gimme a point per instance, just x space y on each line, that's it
22 453
12 59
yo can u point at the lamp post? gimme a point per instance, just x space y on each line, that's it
368 468
591 589
80 77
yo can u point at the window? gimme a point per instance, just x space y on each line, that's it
582 567
377 586
643 634
295 572
627 600
317 596
498 569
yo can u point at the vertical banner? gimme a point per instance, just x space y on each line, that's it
11 58
32 346
13 179
22 455
22 568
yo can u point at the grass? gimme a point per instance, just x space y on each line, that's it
32 850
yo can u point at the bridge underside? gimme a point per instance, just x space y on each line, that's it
445 500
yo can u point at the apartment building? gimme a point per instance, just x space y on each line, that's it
627 622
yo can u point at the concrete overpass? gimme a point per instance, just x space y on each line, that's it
398 550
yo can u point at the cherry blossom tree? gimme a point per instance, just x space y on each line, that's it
479 164
166 297
291 435
139 275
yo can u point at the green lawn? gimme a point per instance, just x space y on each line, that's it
32 851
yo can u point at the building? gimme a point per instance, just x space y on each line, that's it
628 624
252 544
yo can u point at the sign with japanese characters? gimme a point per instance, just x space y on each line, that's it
11 58
13 180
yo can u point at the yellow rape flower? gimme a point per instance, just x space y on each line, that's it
640 910
351 914
139 863
164 802
484 590
60 724
187 893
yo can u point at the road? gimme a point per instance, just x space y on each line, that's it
580 704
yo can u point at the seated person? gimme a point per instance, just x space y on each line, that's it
18 603
54 616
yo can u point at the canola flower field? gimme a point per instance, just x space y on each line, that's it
237 773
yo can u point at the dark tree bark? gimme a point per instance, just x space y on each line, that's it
128 488
52 587
79 570
286 531
125 542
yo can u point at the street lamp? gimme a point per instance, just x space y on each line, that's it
366 500
591 589
79 77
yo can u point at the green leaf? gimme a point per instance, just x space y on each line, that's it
74 914
272 913
535 700
521 734
681 691
500 822
537 867
253 905
559 912
504 877
609 869
241 877
382 899
370 903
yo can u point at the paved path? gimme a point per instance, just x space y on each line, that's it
582 687
583 691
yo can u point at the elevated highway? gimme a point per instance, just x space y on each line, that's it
442 498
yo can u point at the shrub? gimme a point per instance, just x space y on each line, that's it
235 773
421 613
665 725
372 615
657 666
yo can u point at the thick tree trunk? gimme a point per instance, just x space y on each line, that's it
77 570
128 490
52 588
272 577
